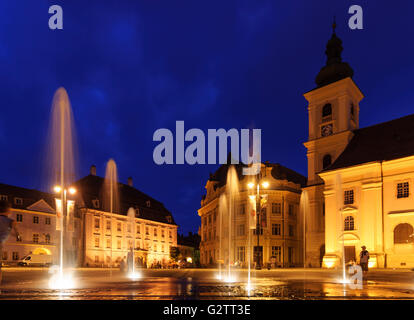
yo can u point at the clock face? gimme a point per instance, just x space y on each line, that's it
326 130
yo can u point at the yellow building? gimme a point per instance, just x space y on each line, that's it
108 237
280 235
359 180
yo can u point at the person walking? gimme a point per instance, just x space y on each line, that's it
363 260
7 225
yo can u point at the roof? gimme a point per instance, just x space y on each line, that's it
278 172
91 188
29 196
385 141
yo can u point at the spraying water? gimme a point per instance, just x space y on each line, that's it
232 189
63 175
131 219
304 209
111 196
222 209
339 205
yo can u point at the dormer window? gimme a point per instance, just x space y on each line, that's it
18 201
327 112
148 203
95 203
3 197
169 219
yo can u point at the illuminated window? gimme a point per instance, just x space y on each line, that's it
404 233
277 252
108 225
276 229
349 223
348 196
108 243
97 223
276 208
155 232
47 220
119 226
35 238
35 219
162 233
138 228
96 242
15 256
403 190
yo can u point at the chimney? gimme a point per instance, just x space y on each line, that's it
93 170
130 181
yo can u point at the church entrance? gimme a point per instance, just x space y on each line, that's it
349 253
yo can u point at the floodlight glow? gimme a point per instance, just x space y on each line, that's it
57 189
72 190
265 184
250 185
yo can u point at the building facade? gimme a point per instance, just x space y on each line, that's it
359 180
96 237
280 235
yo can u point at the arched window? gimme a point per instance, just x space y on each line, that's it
326 110
326 161
349 223
403 233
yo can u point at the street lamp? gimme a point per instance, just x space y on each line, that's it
264 184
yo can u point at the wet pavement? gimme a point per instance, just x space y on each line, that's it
103 284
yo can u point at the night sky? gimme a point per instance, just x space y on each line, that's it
132 67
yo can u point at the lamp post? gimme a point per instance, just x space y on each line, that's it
264 185
64 203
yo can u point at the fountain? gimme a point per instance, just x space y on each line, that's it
304 210
340 221
222 210
110 197
63 175
133 275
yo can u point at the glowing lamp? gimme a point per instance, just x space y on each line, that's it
265 184
250 185
57 189
72 190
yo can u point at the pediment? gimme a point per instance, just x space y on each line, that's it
41 206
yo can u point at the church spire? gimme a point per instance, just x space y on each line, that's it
335 69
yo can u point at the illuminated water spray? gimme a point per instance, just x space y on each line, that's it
111 197
63 175
133 274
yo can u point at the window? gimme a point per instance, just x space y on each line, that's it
35 219
403 190
119 244
155 232
260 231
47 220
327 110
108 225
47 239
96 223
138 228
95 203
240 230
15 256
96 259
4 256
3 197
170 234
147 231
348 196
349 223
119 226
96 242
108 243
326 161
276 229
19 217
35 238
169 219
209 219
276 208
404 233
291 211
241 254
148 203
277 252
214 216
242 209
162 233
291 230
18 201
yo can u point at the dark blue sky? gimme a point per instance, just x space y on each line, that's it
131 67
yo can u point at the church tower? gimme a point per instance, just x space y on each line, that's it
333 111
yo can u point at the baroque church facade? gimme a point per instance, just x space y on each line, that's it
360 180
